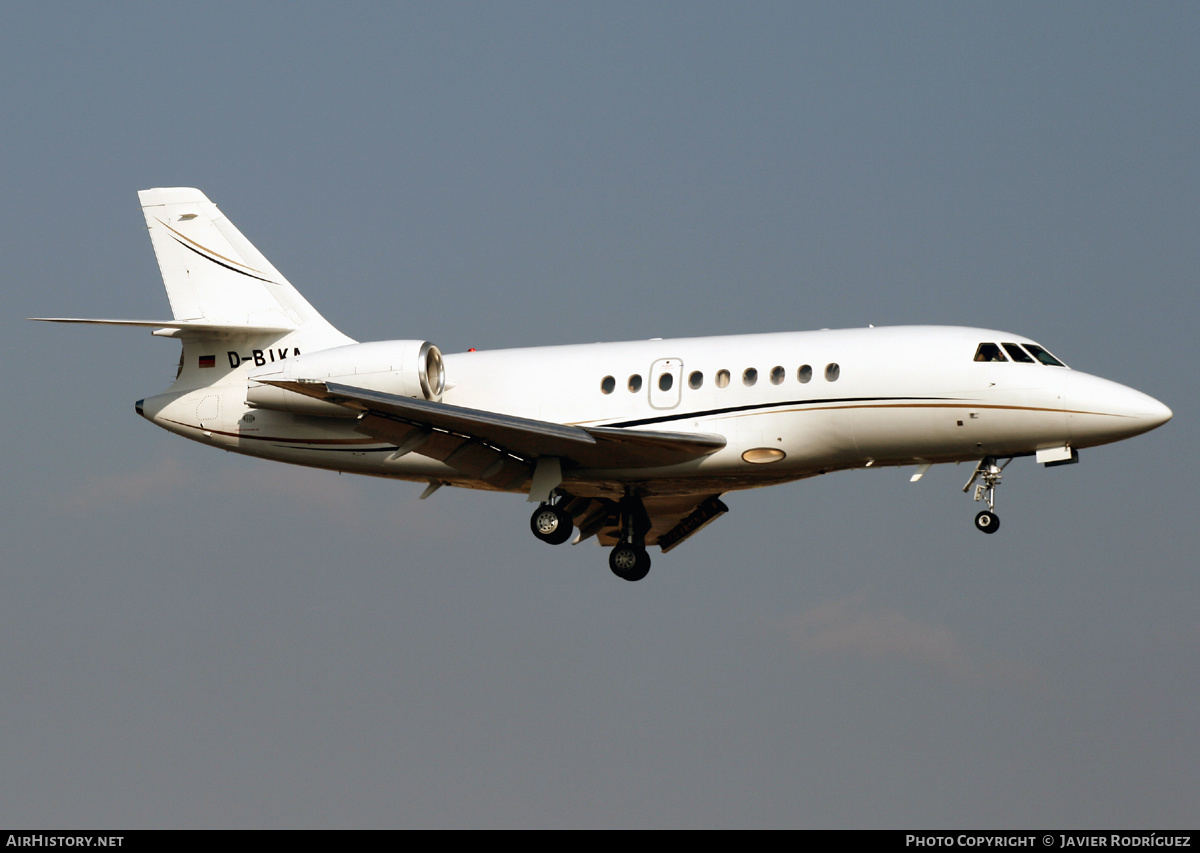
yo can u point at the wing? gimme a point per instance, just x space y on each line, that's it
501 450
472 440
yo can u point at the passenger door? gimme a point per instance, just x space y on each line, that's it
666 383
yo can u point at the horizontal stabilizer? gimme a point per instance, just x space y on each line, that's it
181 325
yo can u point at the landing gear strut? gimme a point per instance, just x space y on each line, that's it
989 474
628 558
551 523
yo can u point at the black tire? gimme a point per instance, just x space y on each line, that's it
551 524
629 563
987 521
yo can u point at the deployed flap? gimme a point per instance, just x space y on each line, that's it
673 518
591 447
702 515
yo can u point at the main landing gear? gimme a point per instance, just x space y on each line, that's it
629 562
989 474
628 559
551 523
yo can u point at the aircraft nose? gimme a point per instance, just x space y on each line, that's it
1100 411
1156 414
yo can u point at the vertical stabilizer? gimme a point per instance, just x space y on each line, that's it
213 274
232 309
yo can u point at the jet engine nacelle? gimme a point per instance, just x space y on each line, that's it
404 368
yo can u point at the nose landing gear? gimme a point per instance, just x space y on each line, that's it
989 474
987 521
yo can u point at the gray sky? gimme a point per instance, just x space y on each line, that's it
194 639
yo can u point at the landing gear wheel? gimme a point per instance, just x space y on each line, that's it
551 524
629 563
987 521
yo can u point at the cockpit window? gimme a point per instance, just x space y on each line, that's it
989 352
1017 354
1043 356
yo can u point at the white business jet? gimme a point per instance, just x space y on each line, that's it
632 443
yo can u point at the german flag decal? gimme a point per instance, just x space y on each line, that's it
208 361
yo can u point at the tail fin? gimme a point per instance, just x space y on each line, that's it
212 273
225 296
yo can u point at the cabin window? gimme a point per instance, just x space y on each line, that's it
722 378
832 372
778 374
665 382
989 352
608 385
1017 354
1043 355
695 380
804 374
635 383
749 376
